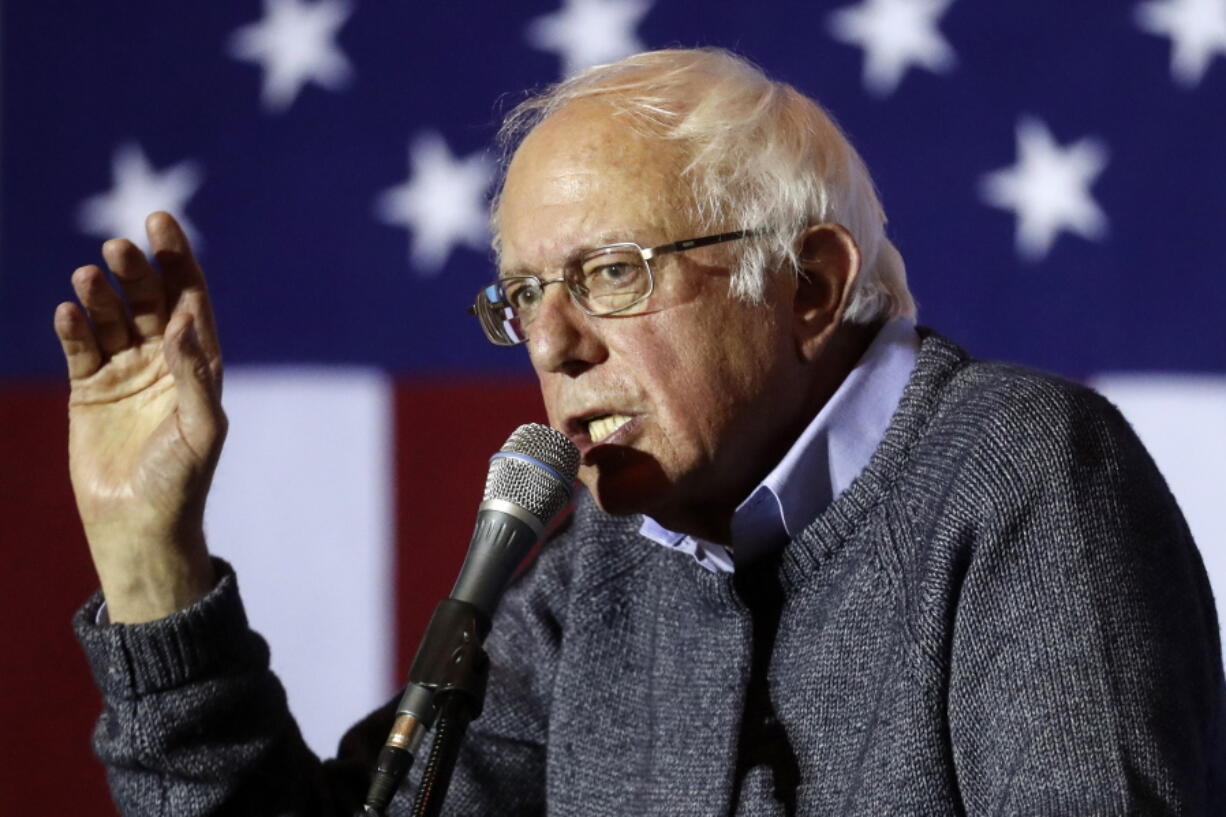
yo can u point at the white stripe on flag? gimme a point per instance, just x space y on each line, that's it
1180 418
302 507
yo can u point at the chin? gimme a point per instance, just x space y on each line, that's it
634 484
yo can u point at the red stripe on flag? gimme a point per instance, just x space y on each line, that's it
445 435
48 704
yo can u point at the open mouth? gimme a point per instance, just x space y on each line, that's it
600 428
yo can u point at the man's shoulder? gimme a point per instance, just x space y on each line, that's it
1003 423
1016 402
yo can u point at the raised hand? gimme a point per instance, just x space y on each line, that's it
145 421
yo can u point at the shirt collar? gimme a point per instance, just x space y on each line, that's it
829 454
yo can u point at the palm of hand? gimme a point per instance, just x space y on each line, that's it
126 447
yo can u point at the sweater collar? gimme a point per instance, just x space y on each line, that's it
802 558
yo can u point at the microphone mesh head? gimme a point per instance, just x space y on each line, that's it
536 489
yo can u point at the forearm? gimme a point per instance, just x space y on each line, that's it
194 722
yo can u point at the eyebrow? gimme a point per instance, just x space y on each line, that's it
514 272
603 240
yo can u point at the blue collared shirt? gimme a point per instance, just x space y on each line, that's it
824 460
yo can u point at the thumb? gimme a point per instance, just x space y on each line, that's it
201 421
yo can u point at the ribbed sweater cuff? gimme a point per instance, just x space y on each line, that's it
204 640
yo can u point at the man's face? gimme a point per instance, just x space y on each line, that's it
675 409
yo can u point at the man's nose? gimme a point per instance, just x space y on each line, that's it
562 339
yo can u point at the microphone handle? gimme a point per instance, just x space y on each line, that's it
503 535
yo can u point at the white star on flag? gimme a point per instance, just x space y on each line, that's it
138 191
589 32
295 43
441 204
1048 189
895 35
1197 29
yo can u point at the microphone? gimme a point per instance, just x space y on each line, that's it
528 485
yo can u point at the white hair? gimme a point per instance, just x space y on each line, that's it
758 153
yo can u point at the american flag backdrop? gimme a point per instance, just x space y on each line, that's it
1054 173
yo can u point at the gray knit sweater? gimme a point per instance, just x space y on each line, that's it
1003 615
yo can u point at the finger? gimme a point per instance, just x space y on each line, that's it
186 290
201 421
77 340
105 308
142 286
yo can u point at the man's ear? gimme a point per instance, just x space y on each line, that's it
829 265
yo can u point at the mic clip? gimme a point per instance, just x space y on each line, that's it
451 660
447 683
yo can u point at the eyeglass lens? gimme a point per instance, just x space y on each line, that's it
605 281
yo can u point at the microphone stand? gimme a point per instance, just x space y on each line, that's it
451 667
528 485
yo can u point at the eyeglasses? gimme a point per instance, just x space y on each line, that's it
612 280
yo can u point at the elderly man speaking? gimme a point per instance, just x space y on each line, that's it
826 562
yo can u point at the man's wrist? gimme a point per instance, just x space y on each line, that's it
155 583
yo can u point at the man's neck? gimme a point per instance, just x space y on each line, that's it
711 519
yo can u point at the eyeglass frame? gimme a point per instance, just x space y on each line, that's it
647 254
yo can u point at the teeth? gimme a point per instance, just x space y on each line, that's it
602 427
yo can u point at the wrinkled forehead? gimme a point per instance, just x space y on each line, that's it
585 176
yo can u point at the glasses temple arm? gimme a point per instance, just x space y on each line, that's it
705 241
